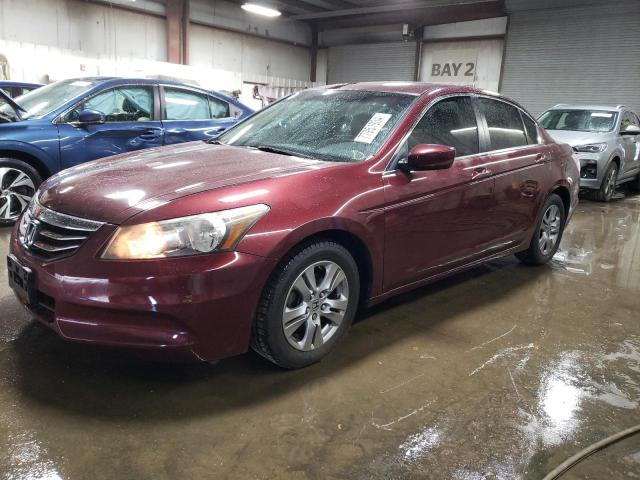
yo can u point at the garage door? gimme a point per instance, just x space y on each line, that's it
579 55
463 62
372 62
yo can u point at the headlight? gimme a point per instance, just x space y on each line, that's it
591 148
184 236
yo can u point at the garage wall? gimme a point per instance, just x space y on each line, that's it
214 48
371 62
77 25
587 54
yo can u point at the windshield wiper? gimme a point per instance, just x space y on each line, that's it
278 150
16 107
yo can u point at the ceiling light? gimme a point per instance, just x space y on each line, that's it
261 10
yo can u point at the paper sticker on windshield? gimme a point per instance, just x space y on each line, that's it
372 128
603 114
80 83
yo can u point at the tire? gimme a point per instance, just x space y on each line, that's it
635 184
18 183
552 219
288 292
608 185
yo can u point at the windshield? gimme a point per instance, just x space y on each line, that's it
579 120
45 100
335 125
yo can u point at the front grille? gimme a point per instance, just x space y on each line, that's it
51 235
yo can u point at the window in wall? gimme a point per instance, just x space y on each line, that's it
449 122
504 123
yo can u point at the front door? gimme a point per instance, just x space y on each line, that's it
190 115
130 124
631 145
440 219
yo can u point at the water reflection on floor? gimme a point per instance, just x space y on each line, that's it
498 373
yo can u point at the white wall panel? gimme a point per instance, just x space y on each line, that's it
214 48
77 25
486 56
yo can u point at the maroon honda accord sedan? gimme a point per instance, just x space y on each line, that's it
273 235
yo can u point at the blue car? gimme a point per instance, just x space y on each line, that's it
15 89
74 121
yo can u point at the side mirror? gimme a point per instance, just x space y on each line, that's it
431 157
630 130
90 117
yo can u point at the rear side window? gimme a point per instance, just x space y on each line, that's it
185 105
531 128
449 122
219 108
504 123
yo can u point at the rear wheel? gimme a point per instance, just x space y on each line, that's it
18 184
307 305
547 235
608 185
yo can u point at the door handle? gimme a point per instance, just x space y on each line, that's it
150 134
480 172
541 157
218 129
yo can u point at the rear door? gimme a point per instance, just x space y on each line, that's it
439 219
189 115
131 123
520 165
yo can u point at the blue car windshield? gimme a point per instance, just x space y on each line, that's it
44 100
334 125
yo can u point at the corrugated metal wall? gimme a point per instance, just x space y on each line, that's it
585 54
372 62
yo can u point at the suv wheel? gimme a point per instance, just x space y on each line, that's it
608 185
547 235
18 184
307 306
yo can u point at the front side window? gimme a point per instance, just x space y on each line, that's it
449 122
122 104
579 120
333 125
185 105
504 123
628 118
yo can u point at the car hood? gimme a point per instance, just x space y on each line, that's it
115 188
574 138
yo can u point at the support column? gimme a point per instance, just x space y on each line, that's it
313 51
177 31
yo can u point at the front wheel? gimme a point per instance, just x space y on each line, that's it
547 235
608 185
308 304
18 184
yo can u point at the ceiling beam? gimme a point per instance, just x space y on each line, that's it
394 7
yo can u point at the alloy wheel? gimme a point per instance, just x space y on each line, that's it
549 230
16 191
315 306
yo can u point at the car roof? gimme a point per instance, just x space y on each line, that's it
10 83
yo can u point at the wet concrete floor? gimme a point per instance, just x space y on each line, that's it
499 373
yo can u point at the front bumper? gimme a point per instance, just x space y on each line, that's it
592 167
201 307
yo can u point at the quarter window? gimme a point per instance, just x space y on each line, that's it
185 105
218 108
124 104
531 129
449 122
504 123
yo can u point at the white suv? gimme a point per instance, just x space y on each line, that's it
606 140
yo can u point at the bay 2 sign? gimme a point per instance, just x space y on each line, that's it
454 66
